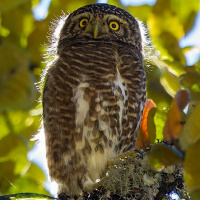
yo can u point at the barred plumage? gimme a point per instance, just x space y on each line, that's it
93 96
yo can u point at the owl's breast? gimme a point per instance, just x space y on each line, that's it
108 86
92 60
99 112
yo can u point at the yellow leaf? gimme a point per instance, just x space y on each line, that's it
160 119
195 194
151 125
162 155
191 130
17 81
165 22
170 82
192 167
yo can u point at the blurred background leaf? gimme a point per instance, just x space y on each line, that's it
191 131
162 155
191 167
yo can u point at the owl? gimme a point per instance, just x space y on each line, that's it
93 95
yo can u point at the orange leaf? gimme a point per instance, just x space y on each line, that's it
143 137
174 123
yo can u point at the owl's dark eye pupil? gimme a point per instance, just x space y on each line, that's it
113 25
84 23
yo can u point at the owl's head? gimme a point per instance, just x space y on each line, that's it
100 22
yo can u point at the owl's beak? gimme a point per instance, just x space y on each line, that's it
96 27
95 30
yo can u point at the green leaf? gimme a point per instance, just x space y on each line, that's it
162 155
24 184
191 130
12 142
7 175
151 125
17 83
35 173
7 5
170 43
56 7
136 11
160 119
155 90
170 82
176 66
186 12
25 123
188 48
190 21
37 38
163 19
18 29
116 3
3 124
192 167
195 194
13 148
190 78
35 2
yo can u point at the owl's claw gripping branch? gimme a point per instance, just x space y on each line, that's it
122 157
63 196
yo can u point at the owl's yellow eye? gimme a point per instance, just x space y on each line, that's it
114 25
83 22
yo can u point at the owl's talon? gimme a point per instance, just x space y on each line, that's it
97 184
88 186
123 156
63 196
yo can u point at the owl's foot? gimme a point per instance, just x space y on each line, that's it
98 184
88 185
123 157
63 196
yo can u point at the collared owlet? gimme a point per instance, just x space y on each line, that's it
94 94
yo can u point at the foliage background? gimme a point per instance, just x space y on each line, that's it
22 44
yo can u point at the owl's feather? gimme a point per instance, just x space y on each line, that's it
93 96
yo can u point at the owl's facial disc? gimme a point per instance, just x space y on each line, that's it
92 27
98 28
100 23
